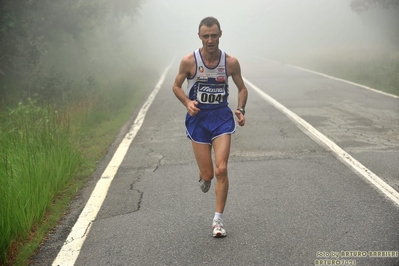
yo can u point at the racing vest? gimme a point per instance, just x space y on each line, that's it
209 86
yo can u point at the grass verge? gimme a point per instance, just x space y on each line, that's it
92 125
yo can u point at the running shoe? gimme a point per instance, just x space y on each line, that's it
204 185
218 229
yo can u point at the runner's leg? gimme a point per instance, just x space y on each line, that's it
203 156
221 146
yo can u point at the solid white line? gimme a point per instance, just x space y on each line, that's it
343 80
71 248
339 153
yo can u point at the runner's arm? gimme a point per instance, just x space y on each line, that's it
184 72
235 72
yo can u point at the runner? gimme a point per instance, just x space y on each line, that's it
209 120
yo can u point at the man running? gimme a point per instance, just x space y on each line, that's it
209 120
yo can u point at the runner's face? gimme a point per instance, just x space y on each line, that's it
210 38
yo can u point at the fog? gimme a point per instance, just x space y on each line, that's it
97 42
274 29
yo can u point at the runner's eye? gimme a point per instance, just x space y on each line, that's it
213 36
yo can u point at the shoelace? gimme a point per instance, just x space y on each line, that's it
218 224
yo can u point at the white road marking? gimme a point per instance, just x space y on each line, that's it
349 82
339 153
73 244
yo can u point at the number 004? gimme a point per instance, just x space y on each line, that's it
211 98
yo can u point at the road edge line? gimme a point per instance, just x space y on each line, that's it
338 152
71 248
343 80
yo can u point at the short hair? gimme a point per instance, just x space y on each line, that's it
209 22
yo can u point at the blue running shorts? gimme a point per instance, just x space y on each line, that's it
210 124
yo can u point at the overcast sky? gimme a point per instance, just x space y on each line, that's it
266 28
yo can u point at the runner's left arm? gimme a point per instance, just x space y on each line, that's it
235 69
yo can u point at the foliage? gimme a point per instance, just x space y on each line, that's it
37 160
45 39
360 6
59 61
382 16
47 153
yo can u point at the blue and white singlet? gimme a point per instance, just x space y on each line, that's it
209 86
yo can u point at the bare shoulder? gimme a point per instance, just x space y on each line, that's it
232 64
188 60
187 65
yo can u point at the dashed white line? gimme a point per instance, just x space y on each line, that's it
339 153
71 248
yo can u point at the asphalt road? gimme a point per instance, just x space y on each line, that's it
291 201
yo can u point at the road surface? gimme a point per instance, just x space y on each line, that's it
293 199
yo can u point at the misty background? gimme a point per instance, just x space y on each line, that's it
58 49
277 30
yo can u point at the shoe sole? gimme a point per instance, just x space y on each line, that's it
219 235
206 188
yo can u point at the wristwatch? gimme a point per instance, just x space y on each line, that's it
242 110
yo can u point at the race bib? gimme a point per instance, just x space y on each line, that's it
211 93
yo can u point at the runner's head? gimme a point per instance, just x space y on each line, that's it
209 22
209 32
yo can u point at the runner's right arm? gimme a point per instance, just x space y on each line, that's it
184 71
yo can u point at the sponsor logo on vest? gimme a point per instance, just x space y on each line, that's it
201 69
202 79
220 79
211 90
220 69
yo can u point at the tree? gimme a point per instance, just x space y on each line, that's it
34 32
361 6
382 16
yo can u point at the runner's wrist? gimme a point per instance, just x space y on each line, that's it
242 110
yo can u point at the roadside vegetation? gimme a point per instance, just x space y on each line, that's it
47 154
37 160
375 63
68 82
375 69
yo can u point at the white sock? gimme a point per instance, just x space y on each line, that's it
217 216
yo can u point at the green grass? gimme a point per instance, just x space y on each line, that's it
376 69
37 159
47 155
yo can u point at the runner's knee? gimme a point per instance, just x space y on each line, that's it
221 171
207 175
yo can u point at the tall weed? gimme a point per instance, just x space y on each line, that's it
46 150
37 160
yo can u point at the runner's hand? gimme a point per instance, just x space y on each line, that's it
240 117
192 108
